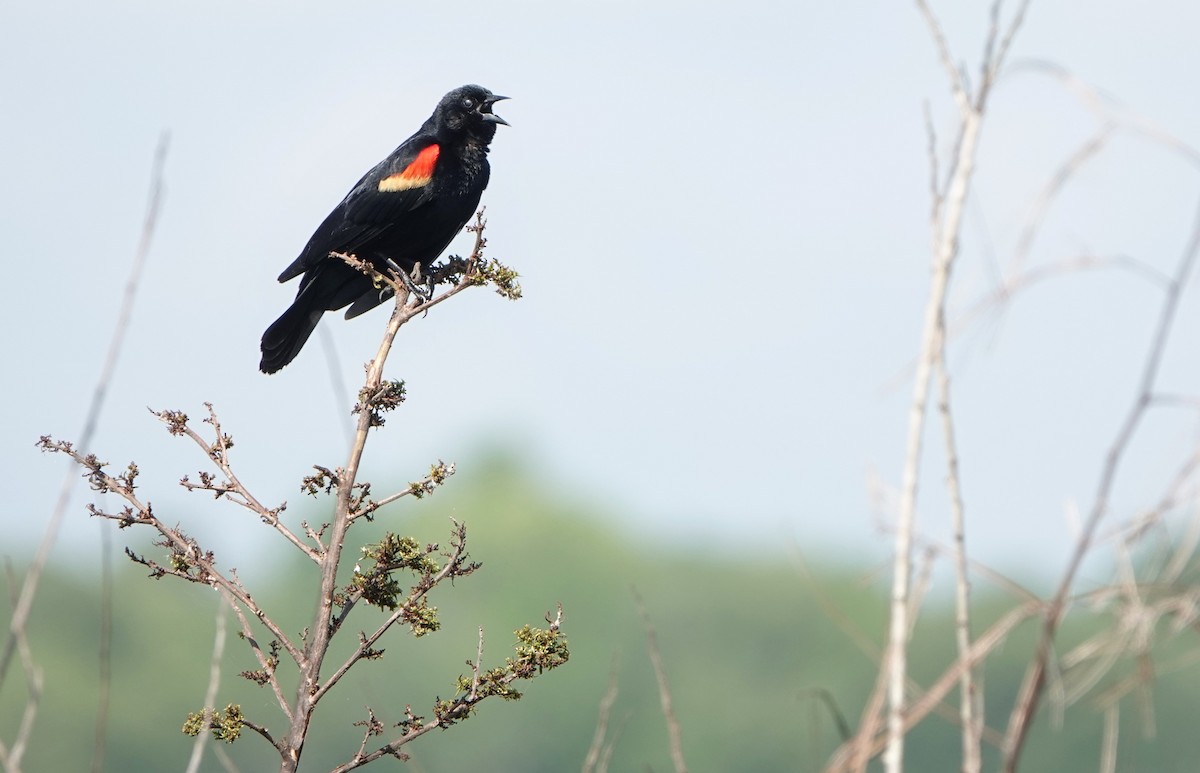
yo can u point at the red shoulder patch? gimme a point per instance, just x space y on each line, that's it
416 174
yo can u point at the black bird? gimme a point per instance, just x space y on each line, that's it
407 210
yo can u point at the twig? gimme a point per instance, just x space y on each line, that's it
1108 745
223 758
424 487
311 687
141 513
218 452
1108 109
1031 688
596 750
337 384
33 574
957 86
947 229
946 250
849 754
214 680
264 662
104 650
675 742
991 65
452 567
971 699
450 712
1054 186
865 645
10 756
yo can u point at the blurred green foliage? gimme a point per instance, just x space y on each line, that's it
756 651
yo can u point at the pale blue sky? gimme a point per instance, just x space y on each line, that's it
719 212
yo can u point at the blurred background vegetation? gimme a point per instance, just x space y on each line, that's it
758 646
771 647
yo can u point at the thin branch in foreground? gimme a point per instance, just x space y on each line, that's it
948 227
34 572
1085 153
664 690
991 65
104 651
11 755
958 85
1108 744
1032 686
971 698
591 763
337 384
214 680
267 663
853 755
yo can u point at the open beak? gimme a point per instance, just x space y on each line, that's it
486 110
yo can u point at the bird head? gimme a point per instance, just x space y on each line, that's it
468 110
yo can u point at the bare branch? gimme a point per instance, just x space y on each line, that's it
1041 205
424 487
183 547
266 662
218 452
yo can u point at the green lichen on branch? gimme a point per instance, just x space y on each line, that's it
478 272
537 650
502 278
491 683
421 617
377 584
438 473
225 726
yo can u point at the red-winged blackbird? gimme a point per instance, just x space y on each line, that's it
407 210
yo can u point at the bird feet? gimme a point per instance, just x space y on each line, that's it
424 292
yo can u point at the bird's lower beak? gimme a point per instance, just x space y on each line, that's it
488 115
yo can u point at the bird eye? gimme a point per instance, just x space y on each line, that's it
468 103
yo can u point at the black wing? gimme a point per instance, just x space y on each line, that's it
380 201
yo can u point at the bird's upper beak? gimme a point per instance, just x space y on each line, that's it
486 110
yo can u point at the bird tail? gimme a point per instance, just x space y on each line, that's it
287 335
